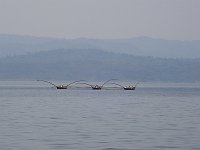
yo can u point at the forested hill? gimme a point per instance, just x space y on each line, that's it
140 46
93 64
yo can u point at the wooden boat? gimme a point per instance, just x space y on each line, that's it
98 87
61 86
127 87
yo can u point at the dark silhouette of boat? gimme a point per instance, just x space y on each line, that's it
98 87
127 87
61 86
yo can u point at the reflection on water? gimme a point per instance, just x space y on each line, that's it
149 118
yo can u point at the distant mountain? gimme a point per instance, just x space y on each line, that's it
93 64
141 46
11 45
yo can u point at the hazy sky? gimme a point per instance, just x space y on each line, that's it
169 19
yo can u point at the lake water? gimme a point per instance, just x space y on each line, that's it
155 116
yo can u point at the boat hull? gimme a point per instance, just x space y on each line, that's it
129 88
61 87
96 88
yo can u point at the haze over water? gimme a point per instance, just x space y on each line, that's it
154 116
98 41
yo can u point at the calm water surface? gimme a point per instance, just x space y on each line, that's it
153 117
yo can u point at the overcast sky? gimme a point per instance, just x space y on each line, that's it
169 19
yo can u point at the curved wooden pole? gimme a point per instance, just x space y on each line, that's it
87 84
118 85
137 84
48 82
107 82
74 82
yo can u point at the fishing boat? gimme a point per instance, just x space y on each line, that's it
61 86
98 87
127 87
